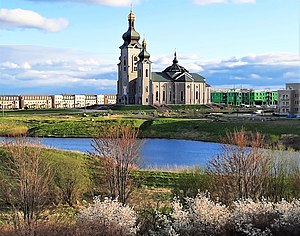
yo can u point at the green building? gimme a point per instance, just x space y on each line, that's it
240 97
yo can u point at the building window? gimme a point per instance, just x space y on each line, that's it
170 96
135 58
147 72
135 68
124 68
146 89
146 99
124 61
197 95
157 97
181 96
164 95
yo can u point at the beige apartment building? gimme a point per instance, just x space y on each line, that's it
82 100
137 84
9 102
35 101
110 99
289 99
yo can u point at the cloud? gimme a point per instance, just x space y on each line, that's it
33 69
252 71
207 2
19 18
114 3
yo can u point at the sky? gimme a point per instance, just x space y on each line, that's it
72 46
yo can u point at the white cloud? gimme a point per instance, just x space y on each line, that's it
33 69
9 65
207 2
19 18
52 70
114 3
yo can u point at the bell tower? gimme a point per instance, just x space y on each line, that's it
127 66
144 86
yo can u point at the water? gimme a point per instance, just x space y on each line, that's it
155 152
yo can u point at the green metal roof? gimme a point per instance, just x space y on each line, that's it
164 77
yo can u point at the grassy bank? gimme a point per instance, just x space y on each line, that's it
204 129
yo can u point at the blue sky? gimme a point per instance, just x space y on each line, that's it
72 46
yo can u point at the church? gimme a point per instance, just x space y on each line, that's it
137 84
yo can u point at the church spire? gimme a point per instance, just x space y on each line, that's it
131 34
144 54
175 61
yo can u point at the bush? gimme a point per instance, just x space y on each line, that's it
111 216
200 216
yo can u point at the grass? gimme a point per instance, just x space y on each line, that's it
204 129
132 108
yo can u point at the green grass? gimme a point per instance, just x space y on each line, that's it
188 107
43 112
132 108
205 129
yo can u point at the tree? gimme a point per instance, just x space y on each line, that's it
118 149
71 177
26 179
243 168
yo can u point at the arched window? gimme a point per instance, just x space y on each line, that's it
157 97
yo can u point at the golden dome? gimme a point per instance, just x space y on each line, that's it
131 16
144 43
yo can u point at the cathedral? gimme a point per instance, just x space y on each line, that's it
137 84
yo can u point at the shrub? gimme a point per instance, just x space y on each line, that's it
200 216
111 216
253 218
288 222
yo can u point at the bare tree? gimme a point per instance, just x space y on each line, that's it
118 149
243 168
26 179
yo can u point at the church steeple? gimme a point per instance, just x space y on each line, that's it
175 61
144 54
131 34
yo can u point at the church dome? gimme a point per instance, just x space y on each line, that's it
175 67
131 34
144 54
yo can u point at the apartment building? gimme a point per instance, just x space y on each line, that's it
9 102
35 101
110 99
237 97
289 102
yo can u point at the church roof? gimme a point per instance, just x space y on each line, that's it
176 73
187 77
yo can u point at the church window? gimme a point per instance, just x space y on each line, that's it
197 95
146 89
147 72
164 95
181 96
157 97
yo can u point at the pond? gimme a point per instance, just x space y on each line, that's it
160 153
